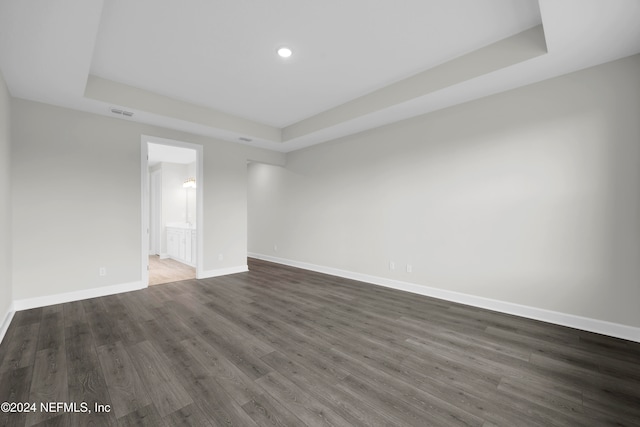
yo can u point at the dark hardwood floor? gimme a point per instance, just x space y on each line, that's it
282 346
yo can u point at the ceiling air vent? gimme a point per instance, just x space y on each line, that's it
121 112
242 138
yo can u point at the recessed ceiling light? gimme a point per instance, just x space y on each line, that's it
284 52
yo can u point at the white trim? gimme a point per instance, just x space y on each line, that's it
222 271
7 320
27 303
144 210
155 235
164 256
618 330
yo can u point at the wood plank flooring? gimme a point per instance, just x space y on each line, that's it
279 346
168 270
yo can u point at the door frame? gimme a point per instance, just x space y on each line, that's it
144 186
155 204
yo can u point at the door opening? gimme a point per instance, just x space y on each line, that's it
171 210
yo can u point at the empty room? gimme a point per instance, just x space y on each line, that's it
348 213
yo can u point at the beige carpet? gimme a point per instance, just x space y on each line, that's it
168 270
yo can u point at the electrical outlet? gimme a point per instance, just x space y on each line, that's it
102 271
409 268
275 248
392 265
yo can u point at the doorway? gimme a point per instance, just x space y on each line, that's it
171 210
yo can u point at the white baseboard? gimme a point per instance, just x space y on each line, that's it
617 330
4 326
223 271
27 303
163 256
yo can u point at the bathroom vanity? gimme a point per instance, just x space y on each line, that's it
181 243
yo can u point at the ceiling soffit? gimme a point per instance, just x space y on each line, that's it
512 50
46 56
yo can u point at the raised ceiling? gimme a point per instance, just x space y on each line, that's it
210 67
222 54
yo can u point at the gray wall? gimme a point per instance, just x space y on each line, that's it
529 197
5 201
77 199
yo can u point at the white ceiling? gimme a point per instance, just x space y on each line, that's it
222 54
210 67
